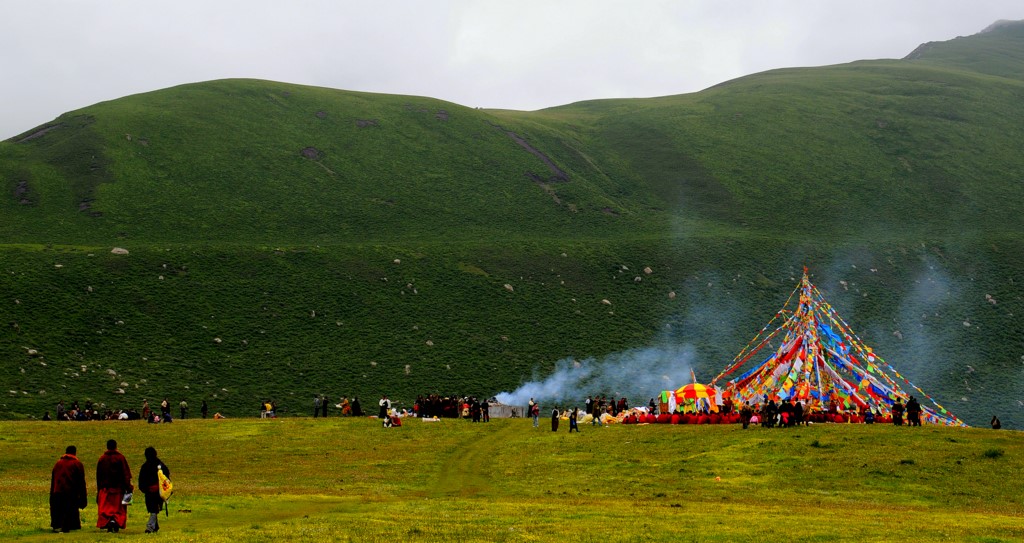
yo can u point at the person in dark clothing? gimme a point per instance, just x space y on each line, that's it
357 410
573 424
897 413
770 411
746 413
113 481
913 412
149 483
204 409
995 423
554 420
67 492
323 406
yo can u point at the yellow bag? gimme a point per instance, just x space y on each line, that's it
166 487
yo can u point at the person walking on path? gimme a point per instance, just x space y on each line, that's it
113 481
67 492
149 483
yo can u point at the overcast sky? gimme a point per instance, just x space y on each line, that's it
57 56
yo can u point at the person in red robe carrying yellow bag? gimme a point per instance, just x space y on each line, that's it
113 482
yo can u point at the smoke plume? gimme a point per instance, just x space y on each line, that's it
637 374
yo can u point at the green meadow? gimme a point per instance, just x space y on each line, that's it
302 479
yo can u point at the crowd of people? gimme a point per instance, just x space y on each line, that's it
114 489
451 407
90 411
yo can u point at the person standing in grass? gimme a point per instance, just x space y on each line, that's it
535 412
323 405
204 409
183 409
113 481
316 406
897 413
913 412
573 423
67 492
149 483
357 410
554 419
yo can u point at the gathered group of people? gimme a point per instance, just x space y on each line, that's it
452 407
771 414
114 489
89 411
349 408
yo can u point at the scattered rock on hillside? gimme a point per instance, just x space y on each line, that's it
119 251
366 123
672 295
321 114
509 288
606 301
442 115
648 270
311 153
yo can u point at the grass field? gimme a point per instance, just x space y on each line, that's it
350 480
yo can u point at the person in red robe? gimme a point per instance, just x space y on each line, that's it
113 481
67 492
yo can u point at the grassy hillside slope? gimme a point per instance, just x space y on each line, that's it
350 480
288 240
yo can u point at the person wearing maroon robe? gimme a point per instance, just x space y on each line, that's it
113 481
67 492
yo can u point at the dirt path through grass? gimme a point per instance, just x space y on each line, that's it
467 470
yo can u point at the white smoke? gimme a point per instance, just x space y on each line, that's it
637 375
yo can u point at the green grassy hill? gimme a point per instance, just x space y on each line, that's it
287 240
350 480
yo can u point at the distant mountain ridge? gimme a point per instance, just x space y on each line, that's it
377 243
